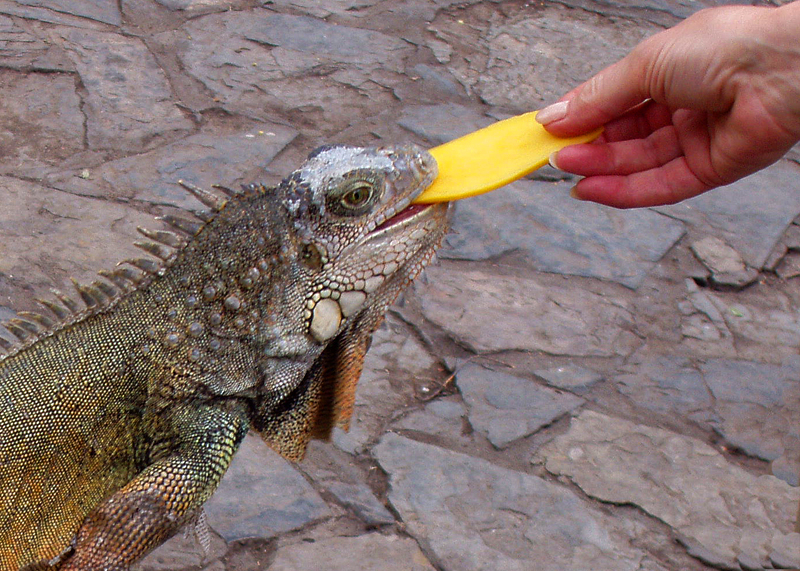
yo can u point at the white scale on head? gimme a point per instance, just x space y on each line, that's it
334 163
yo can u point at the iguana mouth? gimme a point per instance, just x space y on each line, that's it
405 214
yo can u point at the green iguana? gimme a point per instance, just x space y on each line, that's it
119 419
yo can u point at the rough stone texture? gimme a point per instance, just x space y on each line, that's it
22 50
668 384
184 550
337 474
46 109
751 215
487 517
203 159
295 63
261 496
727 511
570 377
78 13
128 104
191 5
757 405
753 405
50 235
770 329
662 12
559 234
505 408
526 59
570 321
325 8
717 256
726 265
441 417
372 552
360 499
441 123
106 12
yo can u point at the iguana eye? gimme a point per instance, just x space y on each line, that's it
355 196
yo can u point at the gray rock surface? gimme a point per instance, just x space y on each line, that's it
129 105
442 123
568 321
372 552
753 405
442 417
55 234
106 12
294 63
22 50
46 108
662 12
360 499
570 377
726 265
278 498
505 408
682 481
487 517
757 407
524 59
77 13
557 234
751 216
202 159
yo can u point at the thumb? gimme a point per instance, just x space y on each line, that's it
604 97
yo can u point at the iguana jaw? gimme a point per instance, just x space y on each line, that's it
410 213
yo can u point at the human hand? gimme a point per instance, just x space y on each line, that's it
697 106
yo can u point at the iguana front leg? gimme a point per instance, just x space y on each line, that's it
165 495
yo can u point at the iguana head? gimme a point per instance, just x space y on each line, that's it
358 242
357 235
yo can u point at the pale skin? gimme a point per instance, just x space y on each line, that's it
698 106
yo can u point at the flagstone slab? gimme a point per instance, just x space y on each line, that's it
490 313
505 408
725 515
474 515
262 496
558 234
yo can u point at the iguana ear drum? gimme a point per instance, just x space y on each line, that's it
311 257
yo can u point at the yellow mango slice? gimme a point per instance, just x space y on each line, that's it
492 157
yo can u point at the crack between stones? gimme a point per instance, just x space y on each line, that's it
602 505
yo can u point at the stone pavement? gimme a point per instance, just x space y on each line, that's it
571 387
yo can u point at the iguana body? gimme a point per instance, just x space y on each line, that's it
119 421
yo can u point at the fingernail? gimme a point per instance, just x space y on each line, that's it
552 160
552 112
573 192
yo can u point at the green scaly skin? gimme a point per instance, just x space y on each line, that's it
119 421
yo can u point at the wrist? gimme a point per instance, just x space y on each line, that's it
775 69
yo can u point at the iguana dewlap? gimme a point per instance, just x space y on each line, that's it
120 416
